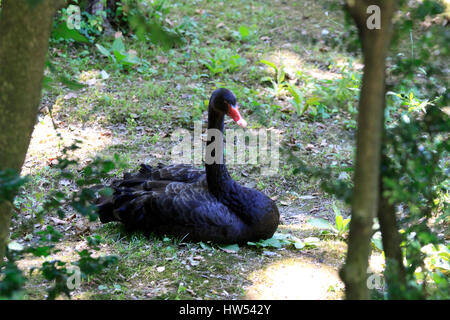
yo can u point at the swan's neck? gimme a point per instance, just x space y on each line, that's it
216 173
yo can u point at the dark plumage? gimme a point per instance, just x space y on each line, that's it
183 201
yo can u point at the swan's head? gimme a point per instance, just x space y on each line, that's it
225 101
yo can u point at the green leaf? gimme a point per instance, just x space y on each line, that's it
272 242
43 251
377 241
230 248
311 242
299 245
320 223
118 45
46 82
206 246
244 32
281 76
120 56
103 50
266 79
339 222
280 236
346 223
10 182
106 192
313 101
270 64
156 32
130 60
71 84
63 32
294 92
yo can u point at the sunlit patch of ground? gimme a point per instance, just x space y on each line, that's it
292 62
305 278
46 146
376 262
295 279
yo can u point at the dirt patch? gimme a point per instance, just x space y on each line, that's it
295 279
46 146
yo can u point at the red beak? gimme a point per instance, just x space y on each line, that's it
233 112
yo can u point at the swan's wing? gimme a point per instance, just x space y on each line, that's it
191 211
181 209
158 177
174 172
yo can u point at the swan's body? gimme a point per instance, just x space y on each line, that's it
198 204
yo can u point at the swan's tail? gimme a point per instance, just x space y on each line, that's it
105 208
126 204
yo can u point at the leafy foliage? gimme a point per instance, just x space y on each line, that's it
317 98
415 166
10 182
279 79
54 78
117 54
280 240
340 226
146 21
11 278
245 33
222 61
62 31
416 176
415 163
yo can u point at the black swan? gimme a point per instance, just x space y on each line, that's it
184 201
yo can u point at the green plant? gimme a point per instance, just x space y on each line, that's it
245 33
301 104
56 271
415 175
340 226
118 55
126 9
321 98
404 104
223 60
56 77
297 100
416 148
278 81
280 240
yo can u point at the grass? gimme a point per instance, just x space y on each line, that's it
132 111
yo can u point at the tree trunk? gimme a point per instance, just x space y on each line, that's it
25 30
96 6
395 270
375 44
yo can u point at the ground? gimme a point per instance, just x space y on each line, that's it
133 113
